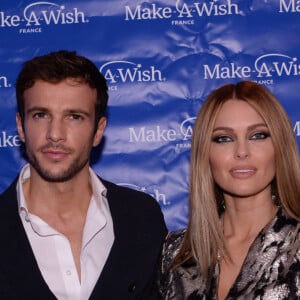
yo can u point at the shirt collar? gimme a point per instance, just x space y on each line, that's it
24 175
98 204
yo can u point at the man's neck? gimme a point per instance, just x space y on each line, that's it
63 206
58 197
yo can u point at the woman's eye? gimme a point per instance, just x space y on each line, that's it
222 139
260 136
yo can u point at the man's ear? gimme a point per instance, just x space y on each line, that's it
99 131
20 127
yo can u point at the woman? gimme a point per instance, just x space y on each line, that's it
243 236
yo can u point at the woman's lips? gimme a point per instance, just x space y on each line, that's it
242 172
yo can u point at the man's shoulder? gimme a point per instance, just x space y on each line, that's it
8 205
10 191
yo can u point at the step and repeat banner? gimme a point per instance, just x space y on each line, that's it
161 59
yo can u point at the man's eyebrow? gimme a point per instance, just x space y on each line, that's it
78 111
69 111
36 108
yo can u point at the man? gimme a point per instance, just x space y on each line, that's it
66 233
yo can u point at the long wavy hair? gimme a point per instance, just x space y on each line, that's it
204 238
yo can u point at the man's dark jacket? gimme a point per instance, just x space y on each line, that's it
139 230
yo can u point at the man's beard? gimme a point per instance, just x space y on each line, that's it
76 166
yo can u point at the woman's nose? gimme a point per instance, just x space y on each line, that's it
242 150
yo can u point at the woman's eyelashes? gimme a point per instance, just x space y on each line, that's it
260 135
224 138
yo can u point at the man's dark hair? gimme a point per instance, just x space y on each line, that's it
57 66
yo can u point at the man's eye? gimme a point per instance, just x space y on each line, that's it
76 117
222 139
260 136
39 115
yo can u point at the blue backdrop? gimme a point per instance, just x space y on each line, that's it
161 59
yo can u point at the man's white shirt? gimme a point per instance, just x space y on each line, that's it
52 249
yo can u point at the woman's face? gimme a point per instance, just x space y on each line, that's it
242 156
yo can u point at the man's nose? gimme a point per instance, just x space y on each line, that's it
56 130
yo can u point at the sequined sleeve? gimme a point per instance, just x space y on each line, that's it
164 281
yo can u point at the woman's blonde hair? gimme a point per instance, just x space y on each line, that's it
204 237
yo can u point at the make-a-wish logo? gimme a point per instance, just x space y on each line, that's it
123 71
152 191
42 13
182 10
289 6
297 128
4 83
265 66
186 130
180 136
9 139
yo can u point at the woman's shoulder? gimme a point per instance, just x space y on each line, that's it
172 246
174 240
285 230
175 237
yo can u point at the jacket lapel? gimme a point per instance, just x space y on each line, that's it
259 262
118 278
18 265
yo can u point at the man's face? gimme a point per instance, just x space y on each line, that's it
58 130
